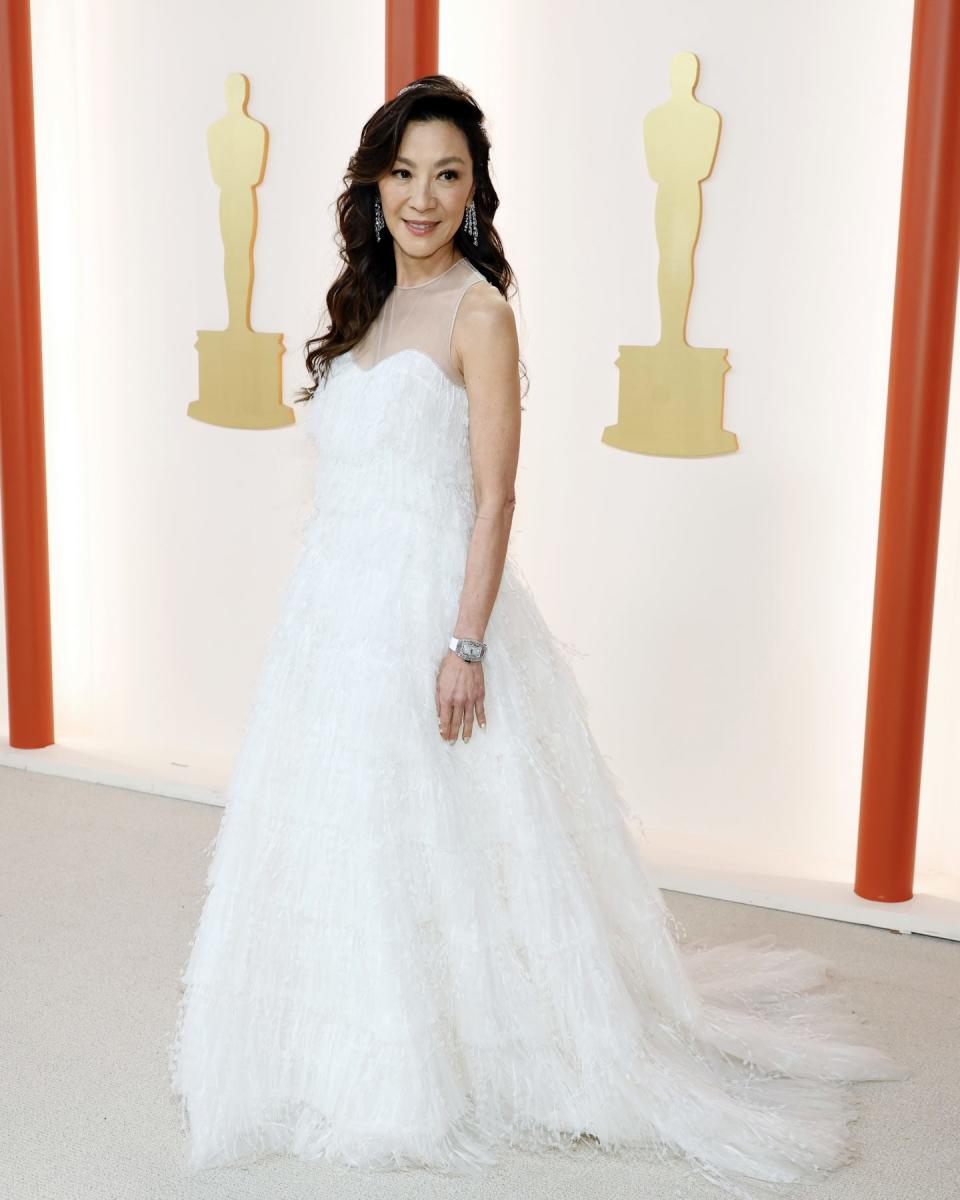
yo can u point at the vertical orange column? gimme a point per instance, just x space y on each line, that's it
22 459
924 314
413 42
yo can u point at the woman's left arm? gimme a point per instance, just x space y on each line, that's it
490 353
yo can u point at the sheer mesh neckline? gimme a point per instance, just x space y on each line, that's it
408 287
421 316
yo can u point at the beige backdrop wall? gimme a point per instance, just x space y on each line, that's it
720 608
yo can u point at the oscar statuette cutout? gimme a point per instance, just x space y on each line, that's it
241 371
671 394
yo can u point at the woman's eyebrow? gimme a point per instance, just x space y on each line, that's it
439 163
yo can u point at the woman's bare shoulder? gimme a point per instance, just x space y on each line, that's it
484 315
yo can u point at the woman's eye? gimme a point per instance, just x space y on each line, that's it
404 171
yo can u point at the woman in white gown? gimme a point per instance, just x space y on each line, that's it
427 932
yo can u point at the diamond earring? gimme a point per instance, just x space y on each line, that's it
378 221
470 221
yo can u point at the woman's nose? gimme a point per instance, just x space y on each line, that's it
423 197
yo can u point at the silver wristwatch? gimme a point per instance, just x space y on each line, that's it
468 648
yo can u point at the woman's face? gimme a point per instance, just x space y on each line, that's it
431 181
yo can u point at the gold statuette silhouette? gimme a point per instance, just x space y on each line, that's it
241 373
671 394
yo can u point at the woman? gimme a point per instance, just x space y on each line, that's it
428 933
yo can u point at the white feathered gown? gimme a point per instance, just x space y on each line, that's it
413 953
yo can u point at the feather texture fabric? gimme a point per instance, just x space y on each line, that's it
413 954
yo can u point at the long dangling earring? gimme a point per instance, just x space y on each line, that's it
378 221
470 221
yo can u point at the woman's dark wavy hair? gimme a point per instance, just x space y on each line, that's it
369 271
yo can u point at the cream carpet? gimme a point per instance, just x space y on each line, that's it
99 896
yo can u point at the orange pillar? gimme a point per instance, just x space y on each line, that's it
412 36
924 315
22 457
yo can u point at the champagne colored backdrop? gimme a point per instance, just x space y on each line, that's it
720 607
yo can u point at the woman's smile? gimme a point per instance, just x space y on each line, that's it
421 228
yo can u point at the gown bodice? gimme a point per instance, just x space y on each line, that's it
391 419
